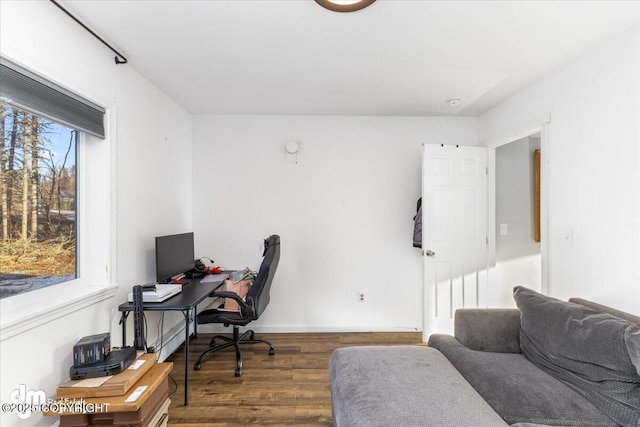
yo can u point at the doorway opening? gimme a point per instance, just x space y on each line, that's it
518 246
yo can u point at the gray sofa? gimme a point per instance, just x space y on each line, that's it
549 362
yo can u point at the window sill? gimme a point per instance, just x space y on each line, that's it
26 311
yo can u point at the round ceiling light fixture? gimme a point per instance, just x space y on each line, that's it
344 5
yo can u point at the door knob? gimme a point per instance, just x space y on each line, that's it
429 252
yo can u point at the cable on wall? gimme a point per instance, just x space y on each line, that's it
120 59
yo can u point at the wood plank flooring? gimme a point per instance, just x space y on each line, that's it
290 388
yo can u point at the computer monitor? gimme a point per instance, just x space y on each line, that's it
174 255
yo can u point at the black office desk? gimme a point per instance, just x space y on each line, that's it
186 301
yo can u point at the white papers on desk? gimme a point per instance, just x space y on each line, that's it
214 278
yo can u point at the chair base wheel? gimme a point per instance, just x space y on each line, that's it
247 337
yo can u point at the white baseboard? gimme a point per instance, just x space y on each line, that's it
307 328
174 337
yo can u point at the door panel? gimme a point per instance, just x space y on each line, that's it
454 226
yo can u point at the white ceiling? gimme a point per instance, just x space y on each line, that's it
397 57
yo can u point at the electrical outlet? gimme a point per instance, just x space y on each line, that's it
361 297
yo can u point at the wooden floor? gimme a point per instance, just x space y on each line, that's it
290 388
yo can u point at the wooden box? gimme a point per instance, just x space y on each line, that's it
116 385
140 418
129 402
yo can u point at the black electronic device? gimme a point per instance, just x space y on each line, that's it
194 274
174 255
138 320
91 349
116 361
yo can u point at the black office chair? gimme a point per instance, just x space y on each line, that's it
251 308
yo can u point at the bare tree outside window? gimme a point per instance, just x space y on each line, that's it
37 202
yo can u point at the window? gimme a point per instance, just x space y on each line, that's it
39 154
37 202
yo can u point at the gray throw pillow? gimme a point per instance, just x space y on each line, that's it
632 339
594 353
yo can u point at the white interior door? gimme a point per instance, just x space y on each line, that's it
454 232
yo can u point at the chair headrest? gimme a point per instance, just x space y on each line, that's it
269 242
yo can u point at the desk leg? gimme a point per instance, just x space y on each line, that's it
186 356
195 322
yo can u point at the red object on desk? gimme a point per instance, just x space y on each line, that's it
212 270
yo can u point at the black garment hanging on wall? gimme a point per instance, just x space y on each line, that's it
417 227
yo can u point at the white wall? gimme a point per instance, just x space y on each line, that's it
344 212
594 178
152 139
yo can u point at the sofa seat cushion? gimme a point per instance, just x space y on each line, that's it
517 390
408 386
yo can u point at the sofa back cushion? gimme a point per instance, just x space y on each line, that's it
604 309
594 353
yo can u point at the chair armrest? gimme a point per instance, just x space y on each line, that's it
488 329
226 294
246 307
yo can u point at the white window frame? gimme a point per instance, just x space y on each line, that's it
95 244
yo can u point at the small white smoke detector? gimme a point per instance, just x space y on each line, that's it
291 147
453 102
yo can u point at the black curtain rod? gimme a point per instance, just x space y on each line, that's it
120 59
